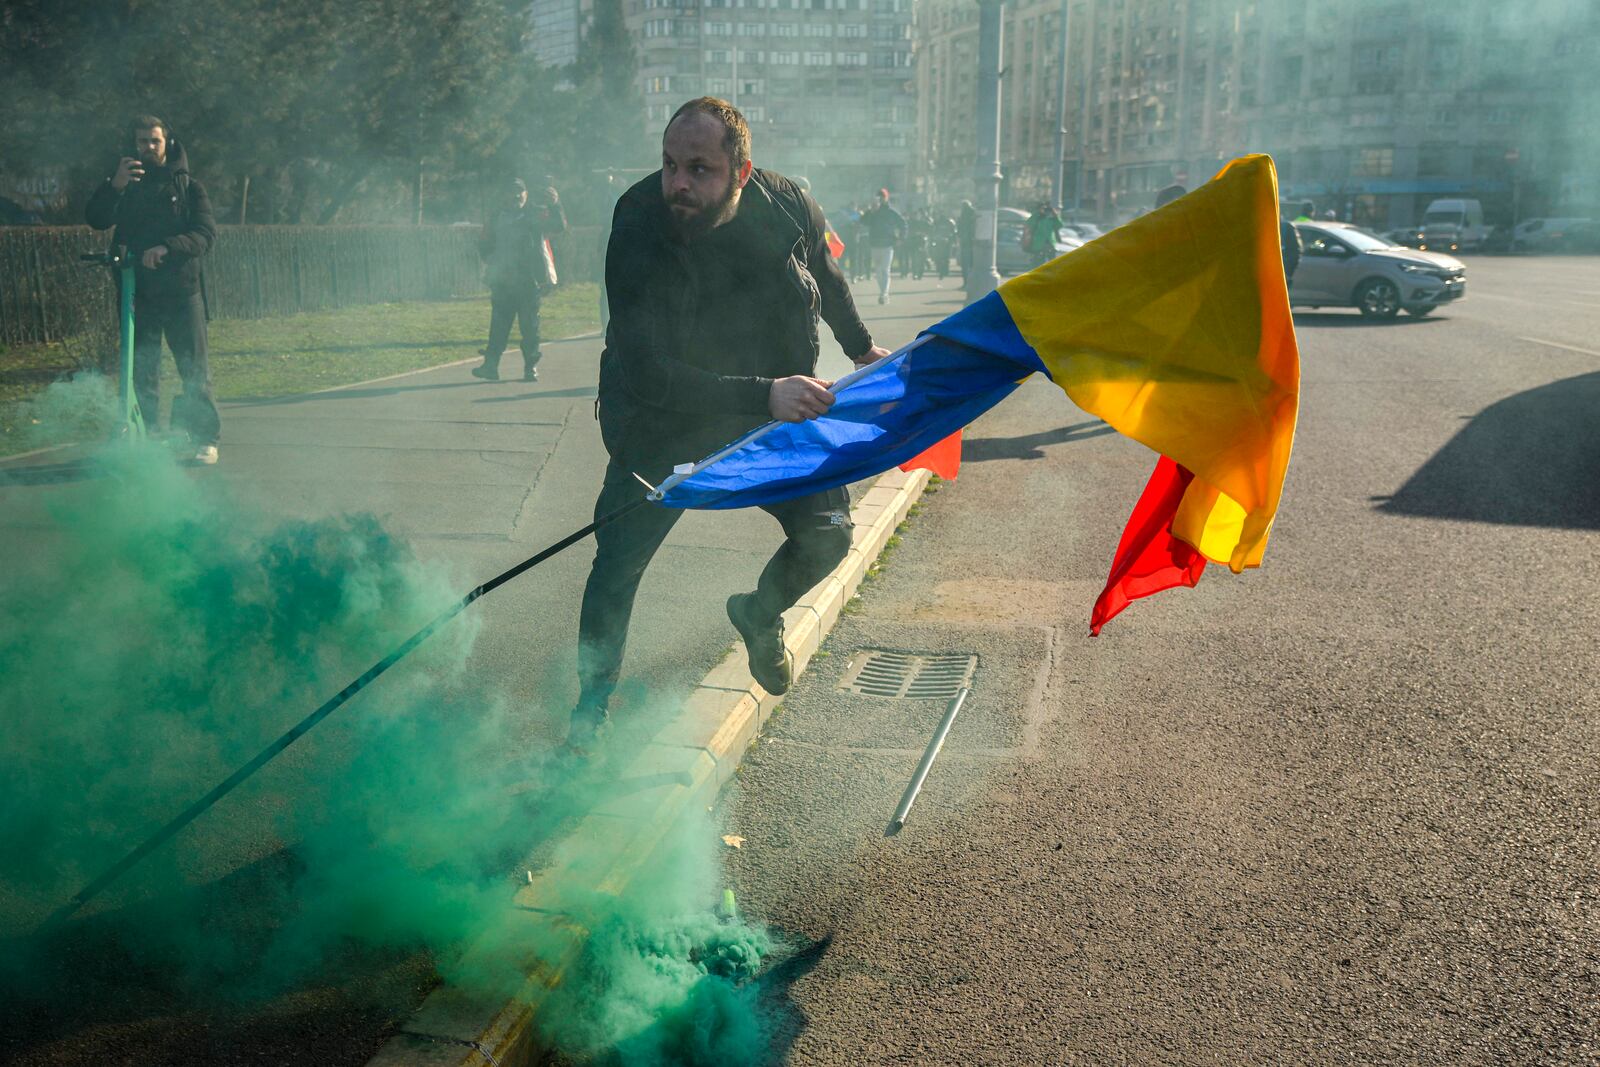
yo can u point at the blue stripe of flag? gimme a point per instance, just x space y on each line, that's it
902 407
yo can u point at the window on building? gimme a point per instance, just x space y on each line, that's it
755 114
819 59
783 59
719 29
719 86
661 83
751 29
1373 163
1376 67
852 30
852 59
819 29
717 55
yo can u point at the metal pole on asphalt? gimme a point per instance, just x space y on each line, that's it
986 173
1061 109
909 797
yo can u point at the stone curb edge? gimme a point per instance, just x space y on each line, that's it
687 763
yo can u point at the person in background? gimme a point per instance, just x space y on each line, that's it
1169 194
1043 226
944 243
966 232
885 227
513 248
163 217
1289 240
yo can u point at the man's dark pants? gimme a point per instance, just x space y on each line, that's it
508 304
818 531
182 321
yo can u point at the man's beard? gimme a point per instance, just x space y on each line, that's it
709 217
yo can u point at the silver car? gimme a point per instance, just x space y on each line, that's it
1345 266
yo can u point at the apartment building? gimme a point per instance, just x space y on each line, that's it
555 28
827 85
1371 108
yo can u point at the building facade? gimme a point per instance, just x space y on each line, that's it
827 85
555 28
1371 108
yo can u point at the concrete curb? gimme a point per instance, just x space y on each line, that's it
689 761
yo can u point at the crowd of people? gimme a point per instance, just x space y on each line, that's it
881 242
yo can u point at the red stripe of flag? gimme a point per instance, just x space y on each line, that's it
1149 558
943 459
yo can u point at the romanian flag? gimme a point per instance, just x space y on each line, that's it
1174 329
835 246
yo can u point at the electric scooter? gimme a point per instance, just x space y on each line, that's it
131 426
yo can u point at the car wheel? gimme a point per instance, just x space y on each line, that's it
1378 298
1419 311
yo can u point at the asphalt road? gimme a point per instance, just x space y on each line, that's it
1343 809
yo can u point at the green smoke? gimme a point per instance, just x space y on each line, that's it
663 980
160 630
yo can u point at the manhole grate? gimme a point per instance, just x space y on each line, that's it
875 672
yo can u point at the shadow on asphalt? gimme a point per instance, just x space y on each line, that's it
777 998
375 346
1346 319
1029 446
71 471
348 394
542 394
130 986
1532 459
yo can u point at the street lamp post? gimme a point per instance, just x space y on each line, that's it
1061 110
984 278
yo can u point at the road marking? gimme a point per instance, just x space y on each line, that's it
1558 344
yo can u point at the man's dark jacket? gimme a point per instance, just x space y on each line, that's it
166 207
884 226
699 331
513 244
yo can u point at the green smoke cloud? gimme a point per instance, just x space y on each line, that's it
162 630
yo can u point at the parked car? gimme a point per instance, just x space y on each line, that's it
1406 236
1009 255
1085 231
1345 266
1453 225
1551 234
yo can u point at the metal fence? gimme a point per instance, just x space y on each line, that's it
47 294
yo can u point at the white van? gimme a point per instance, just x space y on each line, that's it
1453 225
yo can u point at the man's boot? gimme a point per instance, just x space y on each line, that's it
590 726
530 366
763 643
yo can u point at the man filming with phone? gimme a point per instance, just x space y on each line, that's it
163 217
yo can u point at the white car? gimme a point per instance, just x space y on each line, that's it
1345 266
1549 235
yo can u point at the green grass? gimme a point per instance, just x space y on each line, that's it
259 358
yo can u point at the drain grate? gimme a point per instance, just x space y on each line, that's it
875 672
